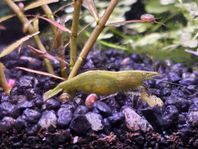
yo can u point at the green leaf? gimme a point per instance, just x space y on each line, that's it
155 7
39 3
16 44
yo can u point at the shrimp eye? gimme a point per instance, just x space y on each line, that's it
147 18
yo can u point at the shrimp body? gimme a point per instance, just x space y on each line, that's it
102 82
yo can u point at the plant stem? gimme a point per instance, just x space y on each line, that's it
3 81
74 32
49 15
31 30
58 42
93 37
58 45
113 45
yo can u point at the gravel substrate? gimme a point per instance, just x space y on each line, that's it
118 121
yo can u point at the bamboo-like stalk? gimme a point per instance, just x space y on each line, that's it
31 30
59 46
93 37
49 15
58 42
74 32
3 81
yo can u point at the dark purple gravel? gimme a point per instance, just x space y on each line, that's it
28 122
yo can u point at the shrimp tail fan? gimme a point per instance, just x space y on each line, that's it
51 93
